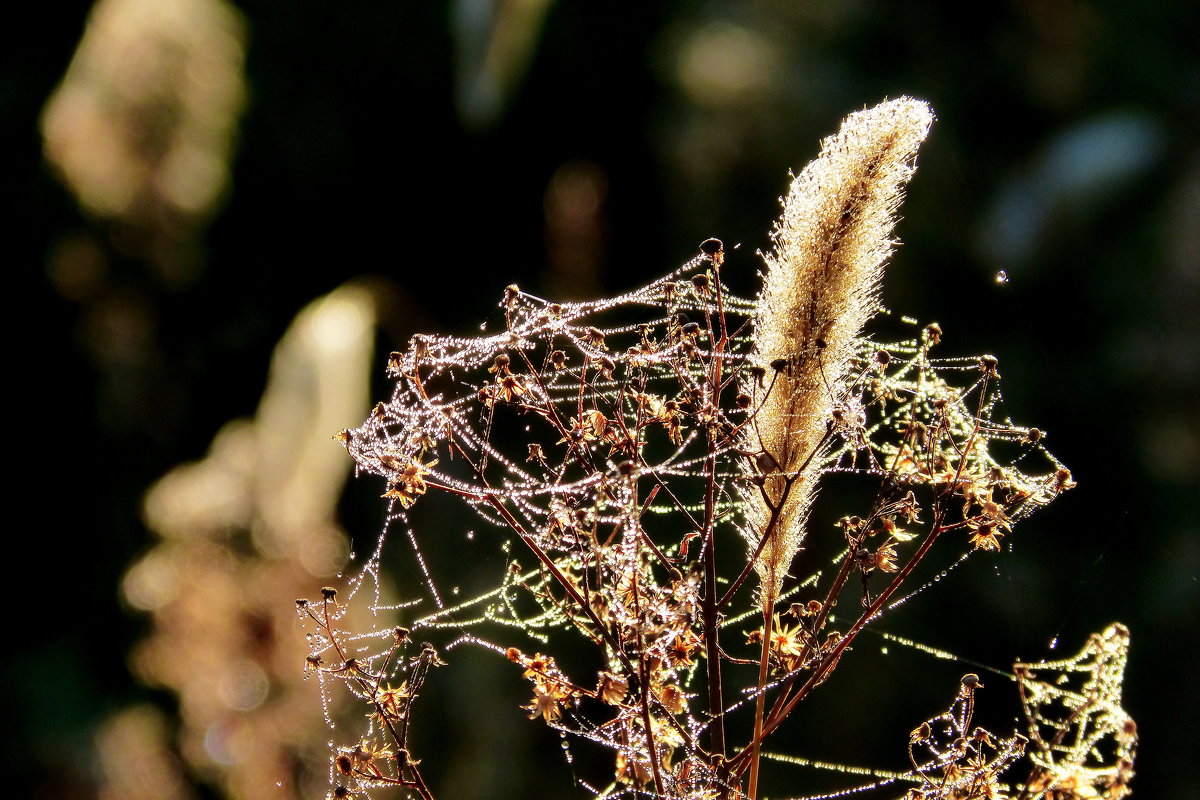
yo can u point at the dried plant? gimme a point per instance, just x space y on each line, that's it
618 449
238 535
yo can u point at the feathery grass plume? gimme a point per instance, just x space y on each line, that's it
820 289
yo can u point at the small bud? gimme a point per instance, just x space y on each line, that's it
743 401
779 364
1033 435
933 332
328 592
971 681
1062 480
981 735
710 247
700 282
766 462
401 633
301 602
883 358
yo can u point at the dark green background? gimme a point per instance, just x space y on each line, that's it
1066 153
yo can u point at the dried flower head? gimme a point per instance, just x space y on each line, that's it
820 289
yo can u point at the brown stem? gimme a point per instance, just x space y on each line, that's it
553 569
768 619
829 660
709 615
644 686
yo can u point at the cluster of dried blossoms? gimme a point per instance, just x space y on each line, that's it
1079 740
621 448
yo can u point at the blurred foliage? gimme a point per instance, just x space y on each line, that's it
456 147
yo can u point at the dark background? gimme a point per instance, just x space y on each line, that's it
1065 154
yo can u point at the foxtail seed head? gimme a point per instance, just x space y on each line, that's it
820 288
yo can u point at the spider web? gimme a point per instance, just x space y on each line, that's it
584 435
1083 742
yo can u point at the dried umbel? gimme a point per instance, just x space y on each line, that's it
615 449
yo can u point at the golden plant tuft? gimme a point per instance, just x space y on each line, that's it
820 288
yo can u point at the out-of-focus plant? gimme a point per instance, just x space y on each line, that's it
241 533
142 127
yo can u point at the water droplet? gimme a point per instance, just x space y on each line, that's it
1054 643
1001 277
470 535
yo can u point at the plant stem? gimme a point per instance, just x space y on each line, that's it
768 619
